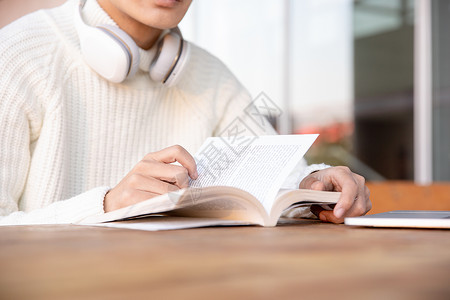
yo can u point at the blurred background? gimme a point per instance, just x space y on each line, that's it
371 76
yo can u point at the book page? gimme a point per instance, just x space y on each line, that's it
259 166
160 222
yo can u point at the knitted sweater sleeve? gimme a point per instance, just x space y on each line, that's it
15 159
21 117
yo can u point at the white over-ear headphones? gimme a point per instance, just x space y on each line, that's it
113 54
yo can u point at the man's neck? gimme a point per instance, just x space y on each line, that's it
144 36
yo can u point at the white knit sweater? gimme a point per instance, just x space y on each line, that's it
68 136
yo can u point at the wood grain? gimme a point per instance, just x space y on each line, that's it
308 259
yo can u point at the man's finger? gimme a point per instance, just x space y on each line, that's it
318 186
358 209
177 175
128 197
177 154
348 195
150 184
362 204
328 216
307 182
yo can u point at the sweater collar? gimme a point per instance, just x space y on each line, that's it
94 15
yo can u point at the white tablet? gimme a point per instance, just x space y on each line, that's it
404 218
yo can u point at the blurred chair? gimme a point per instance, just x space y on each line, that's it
405 195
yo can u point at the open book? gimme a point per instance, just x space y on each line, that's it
239 183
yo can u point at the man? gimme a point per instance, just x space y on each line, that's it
75 144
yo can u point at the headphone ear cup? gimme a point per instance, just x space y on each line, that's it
110 52
170 50
175 75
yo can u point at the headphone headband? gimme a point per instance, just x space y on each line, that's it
114 55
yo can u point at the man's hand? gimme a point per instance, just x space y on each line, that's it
153 176
354 199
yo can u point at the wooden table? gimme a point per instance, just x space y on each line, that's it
309 259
